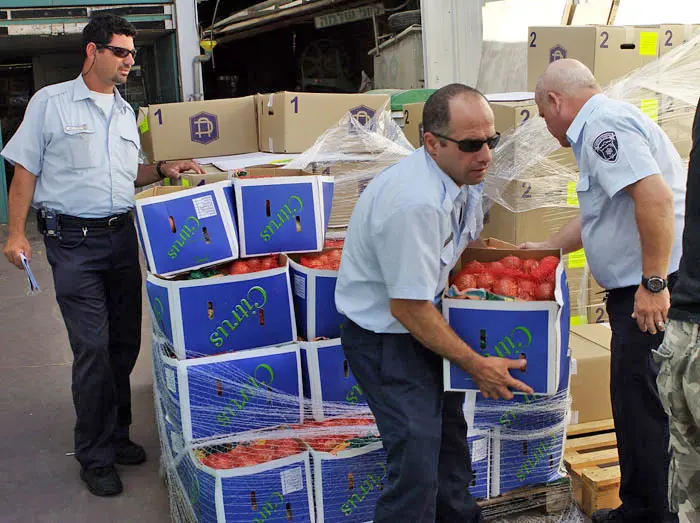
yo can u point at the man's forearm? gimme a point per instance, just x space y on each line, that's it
147 174
426 324
20 200
655 222
568 238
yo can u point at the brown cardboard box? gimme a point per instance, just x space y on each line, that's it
413 123
590 383
609 51
600 334
198 129
509 115
670 37
291 122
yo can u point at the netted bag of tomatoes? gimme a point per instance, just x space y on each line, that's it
248 265
327 260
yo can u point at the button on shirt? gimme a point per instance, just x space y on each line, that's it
616 145
404 237
85 161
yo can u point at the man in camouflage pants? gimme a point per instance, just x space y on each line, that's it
679 357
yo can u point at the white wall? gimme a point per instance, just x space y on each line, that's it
640 12
187 45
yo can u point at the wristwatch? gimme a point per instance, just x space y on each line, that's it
654 283
160 173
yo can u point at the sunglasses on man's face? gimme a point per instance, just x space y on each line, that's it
469 145
119 52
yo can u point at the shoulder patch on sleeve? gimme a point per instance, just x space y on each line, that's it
606 146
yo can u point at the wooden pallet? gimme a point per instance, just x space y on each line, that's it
550 498
591 459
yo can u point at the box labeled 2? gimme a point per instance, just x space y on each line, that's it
219 396
314 302
328 378
186 229
282 213
222 314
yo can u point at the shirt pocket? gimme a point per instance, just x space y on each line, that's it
130 144
82 147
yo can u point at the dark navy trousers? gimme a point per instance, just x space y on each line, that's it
423 428
98 288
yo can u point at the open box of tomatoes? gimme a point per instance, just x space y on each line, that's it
314 277
511 303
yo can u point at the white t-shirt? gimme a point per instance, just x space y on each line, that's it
104 102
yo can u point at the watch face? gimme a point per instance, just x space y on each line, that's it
655 284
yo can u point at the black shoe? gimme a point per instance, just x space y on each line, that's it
129 453
608 515
102 481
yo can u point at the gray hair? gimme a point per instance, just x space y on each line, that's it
568 77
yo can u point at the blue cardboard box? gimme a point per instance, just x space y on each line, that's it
223 314
314 302
183 229
348 483
278 491
282 210
522 458
480 448
537 330
328 380
219 396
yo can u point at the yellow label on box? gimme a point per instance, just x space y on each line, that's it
571 195
143 126
648 43
185 182
578 320
577 260
650 107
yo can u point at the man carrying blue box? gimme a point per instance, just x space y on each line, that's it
632 198
406 233
76 158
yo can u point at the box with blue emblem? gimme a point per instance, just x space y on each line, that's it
282 210
208 316
313 280
219 396
184 229
248 484
511 303
328 380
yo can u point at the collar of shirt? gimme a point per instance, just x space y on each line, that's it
576 127
452 190
82 92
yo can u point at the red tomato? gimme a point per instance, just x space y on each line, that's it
550 260
254 264
506 287
465 281
545 291
238 267
473 267
220 460
530 265
305 261
315 264
527 287
335 254
512 262
268 263
485 281
496 268
335 265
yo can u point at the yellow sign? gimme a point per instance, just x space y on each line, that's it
648 43
578 320
143 126
650 107
571 195
577 260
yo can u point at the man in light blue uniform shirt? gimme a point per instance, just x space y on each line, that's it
631 192
406 233
76 162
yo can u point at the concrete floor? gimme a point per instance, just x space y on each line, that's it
40 477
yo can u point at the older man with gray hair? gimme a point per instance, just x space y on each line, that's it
631 191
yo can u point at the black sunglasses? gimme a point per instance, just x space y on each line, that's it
119 52
469 145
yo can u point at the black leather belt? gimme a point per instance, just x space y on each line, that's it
93 223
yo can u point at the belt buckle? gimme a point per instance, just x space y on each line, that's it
112 220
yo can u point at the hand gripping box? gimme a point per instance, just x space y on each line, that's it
226 313
282 210
328 378
276 491
314 301
219 396
185 229
535 330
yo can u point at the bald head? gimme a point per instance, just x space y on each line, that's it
569 78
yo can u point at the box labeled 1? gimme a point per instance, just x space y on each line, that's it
279 490
328 378
279 212
218 396
314 301
532 330
222 314
183 229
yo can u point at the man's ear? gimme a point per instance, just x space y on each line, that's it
90 50
431 142
555 100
